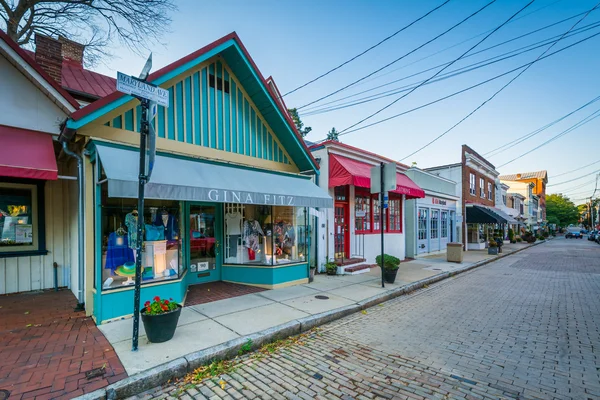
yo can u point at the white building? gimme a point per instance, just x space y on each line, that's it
531 210
351 232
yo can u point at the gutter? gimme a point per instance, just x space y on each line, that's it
65 136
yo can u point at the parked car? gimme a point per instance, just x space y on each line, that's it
584 231
573 233
593 234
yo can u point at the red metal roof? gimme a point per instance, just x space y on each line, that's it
345 171
87 82
27 154
315 146
29 59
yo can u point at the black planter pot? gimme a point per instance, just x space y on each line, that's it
389 275
331 272
160 328
493 251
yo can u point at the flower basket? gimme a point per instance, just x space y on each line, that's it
160 319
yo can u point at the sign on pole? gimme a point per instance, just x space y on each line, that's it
152 109
137 87
389 178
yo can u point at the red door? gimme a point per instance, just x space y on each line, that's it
341 231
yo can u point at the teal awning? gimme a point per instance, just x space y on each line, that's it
175 178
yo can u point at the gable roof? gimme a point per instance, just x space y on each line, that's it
334 143
525 175
20 56
231 48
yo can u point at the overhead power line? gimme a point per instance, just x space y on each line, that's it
467 88
399 58
579 124
515 142
437 73
441 77
574 179
574 170
310 110
367 50
503 87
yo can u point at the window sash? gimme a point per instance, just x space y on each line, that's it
371 223
472 184
35 219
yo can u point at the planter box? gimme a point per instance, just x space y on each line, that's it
493 251
454 252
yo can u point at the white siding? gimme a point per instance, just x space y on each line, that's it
23 105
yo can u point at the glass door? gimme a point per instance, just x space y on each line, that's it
434 232
340 225
204 227
422 239
444 229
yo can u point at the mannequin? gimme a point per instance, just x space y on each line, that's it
168 222
131 222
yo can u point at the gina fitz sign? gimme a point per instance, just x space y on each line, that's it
232 196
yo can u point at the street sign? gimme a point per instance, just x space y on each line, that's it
152 109
389 178
137 87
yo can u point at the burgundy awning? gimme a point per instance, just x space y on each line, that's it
345 171
27 154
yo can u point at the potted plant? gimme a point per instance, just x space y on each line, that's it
160 318
311 276
518 239
390 267
511 236
493 248
331 268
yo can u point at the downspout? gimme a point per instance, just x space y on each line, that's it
80 232
317 231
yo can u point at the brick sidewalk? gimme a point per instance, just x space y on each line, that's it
46 348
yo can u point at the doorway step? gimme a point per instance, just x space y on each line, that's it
356 269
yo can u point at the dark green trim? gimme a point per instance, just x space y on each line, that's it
26 253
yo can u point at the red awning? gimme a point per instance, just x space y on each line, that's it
345 171
27 154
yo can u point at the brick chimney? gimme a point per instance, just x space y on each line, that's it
48 54
72 52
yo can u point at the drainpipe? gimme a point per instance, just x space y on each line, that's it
80 233
317 230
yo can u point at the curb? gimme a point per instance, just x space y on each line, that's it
179 367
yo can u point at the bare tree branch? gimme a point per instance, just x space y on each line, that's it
137 24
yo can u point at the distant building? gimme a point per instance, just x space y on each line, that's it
539 179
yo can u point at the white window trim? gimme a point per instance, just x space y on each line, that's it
34 216
472 184
490 190
482 188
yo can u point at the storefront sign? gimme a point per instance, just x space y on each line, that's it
231 196
438 201
24 233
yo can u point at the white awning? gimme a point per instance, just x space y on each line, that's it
175 178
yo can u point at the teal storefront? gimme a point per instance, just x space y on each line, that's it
203 222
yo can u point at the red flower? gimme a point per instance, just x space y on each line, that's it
166 302
165 308
148 309
147 303
156 298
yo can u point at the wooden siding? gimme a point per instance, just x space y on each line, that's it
209 108
23 274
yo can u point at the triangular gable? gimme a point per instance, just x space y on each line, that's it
248 120
32 70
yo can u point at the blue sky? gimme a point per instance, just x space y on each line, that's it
297 41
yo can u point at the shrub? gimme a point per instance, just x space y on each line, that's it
545 234
511 235
389 262
493 243
331 267
518 239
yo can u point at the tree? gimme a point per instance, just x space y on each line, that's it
333 135
93 23
560 210
297 121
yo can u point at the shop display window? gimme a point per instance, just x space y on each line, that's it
367 213
18 219
362 212
265 235
161 241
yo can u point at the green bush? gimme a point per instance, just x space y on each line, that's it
511 235
518 239
331 267
389 262
493 243
545 234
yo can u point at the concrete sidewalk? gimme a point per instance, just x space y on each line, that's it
212 324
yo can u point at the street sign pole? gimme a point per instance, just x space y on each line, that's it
138 249
381 219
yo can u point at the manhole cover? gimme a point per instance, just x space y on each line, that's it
321 297
4 394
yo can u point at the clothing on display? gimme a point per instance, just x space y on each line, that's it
285 236
252 234
118 251
169 224
131 221
233 244
233 222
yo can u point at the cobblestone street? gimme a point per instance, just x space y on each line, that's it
523 327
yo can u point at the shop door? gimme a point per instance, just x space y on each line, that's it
204 258
422 231
444 229
452 223
434 231
341 241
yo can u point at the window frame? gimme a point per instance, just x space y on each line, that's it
482 188
37 214
361 192
472 184
490 190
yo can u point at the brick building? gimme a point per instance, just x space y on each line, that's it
476 187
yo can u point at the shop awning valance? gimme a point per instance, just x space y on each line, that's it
27 154
345 171
175 178
482 215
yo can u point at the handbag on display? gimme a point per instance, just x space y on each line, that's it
155 232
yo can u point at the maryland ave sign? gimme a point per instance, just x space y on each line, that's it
136 87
